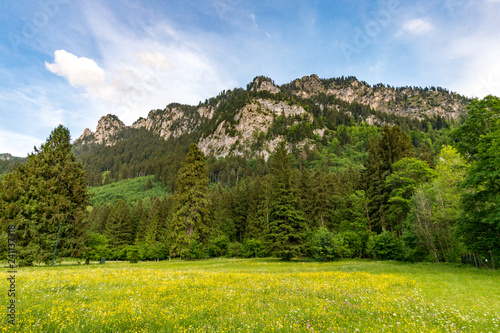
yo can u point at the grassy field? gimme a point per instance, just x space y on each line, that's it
260 295
129 190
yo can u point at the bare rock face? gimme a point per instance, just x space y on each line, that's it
5 157
402 102
247 137
308 86
86 137
246 134
107 127
173 121
262 83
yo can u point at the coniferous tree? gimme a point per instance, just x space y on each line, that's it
101 218
140 220
221 216
393 145
190 219
119 230
155 216
287 227
240 209
45 197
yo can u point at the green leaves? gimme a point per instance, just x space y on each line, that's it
287 225
48 190
190 220
479 141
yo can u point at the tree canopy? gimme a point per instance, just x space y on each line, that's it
43 195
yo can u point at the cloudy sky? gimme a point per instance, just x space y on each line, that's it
70 62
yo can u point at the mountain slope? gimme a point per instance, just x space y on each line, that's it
250 122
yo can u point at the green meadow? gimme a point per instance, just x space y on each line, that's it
255 295
128 190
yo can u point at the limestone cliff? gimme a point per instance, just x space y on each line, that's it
239 121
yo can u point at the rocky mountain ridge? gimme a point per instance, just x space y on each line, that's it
239 121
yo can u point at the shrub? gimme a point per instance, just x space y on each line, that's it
235 250
195 251
133 253
388 246
325 246
219 246
253 248
351 244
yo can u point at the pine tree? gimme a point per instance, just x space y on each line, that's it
393 145
316 192
119 230
44 197
149 184
140 220
240 209
190 219
287 226
153 222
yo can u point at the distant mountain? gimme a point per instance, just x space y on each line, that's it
8 162
249 122
5 157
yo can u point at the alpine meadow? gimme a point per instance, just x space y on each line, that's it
151 182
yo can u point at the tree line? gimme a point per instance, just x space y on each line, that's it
369 193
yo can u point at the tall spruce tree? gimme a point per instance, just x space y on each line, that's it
287 227
190 219
45 197
393 145
119 226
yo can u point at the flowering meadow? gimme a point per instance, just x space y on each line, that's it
225 295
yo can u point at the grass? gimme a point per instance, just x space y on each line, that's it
256 295
129 190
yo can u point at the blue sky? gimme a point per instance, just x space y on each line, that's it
70 62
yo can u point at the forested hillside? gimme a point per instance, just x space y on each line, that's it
308 169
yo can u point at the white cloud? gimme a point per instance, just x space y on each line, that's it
154 59
140 72
416 27
78 71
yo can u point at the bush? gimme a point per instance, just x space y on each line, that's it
235 250
157 250
219 246
118 253
133 253
351 244
195 251
96 247
325 246
388 246
253 248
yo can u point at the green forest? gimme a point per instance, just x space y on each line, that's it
411 190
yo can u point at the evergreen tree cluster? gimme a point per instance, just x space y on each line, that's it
45 199
359 191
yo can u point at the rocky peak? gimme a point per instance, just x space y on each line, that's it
5 157
263 83
107 127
